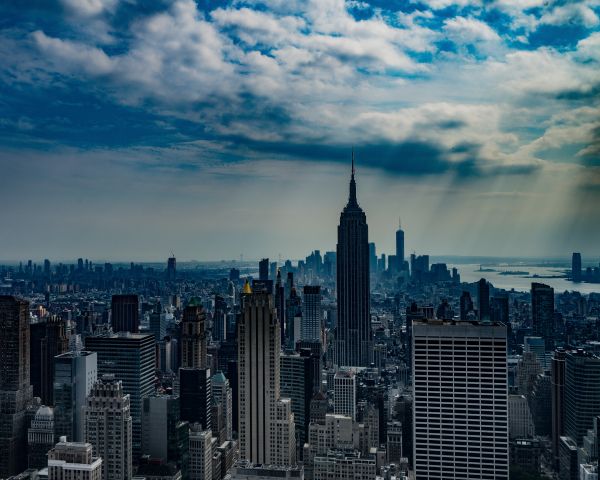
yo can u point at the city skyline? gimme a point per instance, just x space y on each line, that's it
214 129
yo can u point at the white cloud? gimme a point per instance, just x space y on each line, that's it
89 8
74 56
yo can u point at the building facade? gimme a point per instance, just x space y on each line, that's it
266 423
75 374
16 392
108 428
460 413
131 358
73 461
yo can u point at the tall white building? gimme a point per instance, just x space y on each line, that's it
344 393
460 413
73 461
108 427
200 453
266 422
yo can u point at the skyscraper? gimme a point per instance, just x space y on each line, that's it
280 302
131 358
542 313
372 258
311 313
460 413
297 383
193 335
164 435
195 396
344 394
15 390
400 247
263 269
558 399
353 336
74 375
124 313
223 395
466 305
158 323
266 422
582 393
200 453
54 343
40 438
499 310
108 427
171 268
483 300
576 267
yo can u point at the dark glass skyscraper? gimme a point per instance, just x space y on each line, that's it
576 267
263 269
400 248
483 300
124 313
542 313
354 342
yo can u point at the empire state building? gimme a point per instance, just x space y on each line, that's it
353 338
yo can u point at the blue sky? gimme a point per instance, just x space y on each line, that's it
129 129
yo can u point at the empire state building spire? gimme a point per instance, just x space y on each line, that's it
352 198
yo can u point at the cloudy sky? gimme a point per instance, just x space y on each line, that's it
211 128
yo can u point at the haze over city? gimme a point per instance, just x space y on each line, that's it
216 129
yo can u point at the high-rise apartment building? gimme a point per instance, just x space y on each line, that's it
460 414
311 313
54 343
483 300
195 396
558 399
164 435
125 315
576 267
40 438
298 384
193 339
344 393
158 323
201 454
15 390
466 305
263 269
353 335
74 376
131 358
266 422
223 395
542 313
73 461
582 393
108 427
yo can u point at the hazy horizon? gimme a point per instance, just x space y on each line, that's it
216 129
